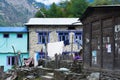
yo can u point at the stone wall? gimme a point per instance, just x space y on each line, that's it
34 46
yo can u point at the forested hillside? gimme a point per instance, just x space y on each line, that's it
72 8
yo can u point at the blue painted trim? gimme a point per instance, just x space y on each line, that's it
70 31
63 34
13 53
69 52
75 31
44 34
7 61
13 29
65 31
43 31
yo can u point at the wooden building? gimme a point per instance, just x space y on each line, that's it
101 38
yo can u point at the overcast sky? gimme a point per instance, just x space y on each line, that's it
48 2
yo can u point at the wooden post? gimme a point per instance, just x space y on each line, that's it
101 45
72 48
15 55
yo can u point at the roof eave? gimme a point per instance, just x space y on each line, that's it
91 9
52 24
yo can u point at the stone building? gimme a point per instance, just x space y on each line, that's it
47 30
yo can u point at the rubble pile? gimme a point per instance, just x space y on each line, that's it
27 73
74 72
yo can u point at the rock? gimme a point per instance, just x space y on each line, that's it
47 77
50 74
64 69
30 77
94 76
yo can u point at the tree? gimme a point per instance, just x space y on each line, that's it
42 12
101 2
105 2
115 1
54 11
65 8
72 8
78 7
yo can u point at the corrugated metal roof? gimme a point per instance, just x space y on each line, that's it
54 21
13 29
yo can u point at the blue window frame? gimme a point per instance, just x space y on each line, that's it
43 37
6 35
63 36
78 36
11 60
19 35
40 55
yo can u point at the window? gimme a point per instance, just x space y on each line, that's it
19 35
63 36
8 60
78 39
78 36
43 37
6 35
11 60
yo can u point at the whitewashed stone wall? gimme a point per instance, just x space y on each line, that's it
53 37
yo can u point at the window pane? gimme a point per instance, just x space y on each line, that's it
43 37
6 35
13 60
60 38
60 33
8 60
45 33
66 36
78 36
19 35
63 38
40 39
40 33
65 33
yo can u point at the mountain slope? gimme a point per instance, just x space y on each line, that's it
16 12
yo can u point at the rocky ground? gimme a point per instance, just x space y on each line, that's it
75 72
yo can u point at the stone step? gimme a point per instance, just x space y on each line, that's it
47 77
